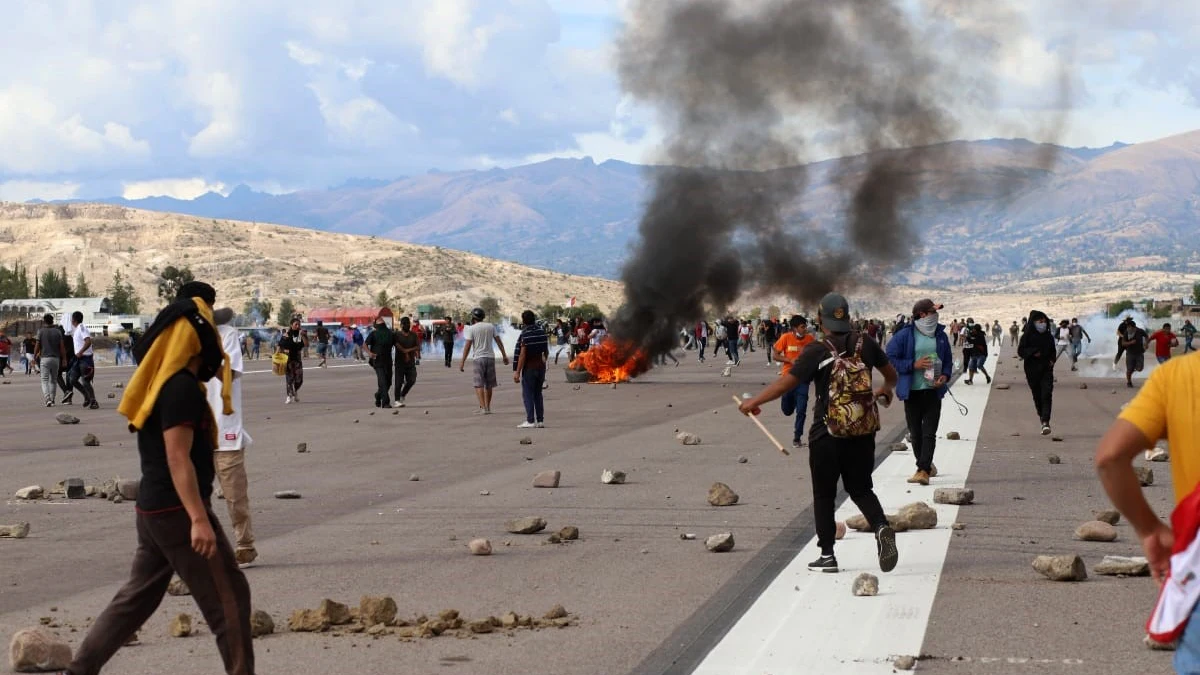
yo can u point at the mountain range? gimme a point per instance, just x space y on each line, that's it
1124 207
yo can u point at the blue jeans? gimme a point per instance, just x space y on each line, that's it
531 394
731 347
1076 350
796 401
1187 654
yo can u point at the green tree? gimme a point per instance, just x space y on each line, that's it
491 308
81 287
586 310
755 313
54 285
171 279
258 310
1196 293
121 296
773 312
551 311
1115 309
14 283
286 311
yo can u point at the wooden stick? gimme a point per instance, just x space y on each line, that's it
762 428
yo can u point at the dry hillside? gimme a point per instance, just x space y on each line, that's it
315 269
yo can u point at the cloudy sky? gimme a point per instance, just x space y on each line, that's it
178 97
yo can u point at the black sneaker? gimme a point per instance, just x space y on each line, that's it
797 443
885 542
93 405
825 563
67 399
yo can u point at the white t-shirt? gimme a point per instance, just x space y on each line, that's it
598 336
230 433
483 340
79 334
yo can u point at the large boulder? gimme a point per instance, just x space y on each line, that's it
720 543
915 516
721 494
36 650
376 610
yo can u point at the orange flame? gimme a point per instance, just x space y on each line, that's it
611 361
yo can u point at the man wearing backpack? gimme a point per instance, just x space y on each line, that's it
845 420
922 355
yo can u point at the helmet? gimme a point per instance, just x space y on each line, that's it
478 314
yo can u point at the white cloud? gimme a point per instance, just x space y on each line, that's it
25 190
179 188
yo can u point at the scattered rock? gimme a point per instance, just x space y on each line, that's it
688 536
510 620
36 650
526 441
1119 565
111 395
547 479
1109 516
1096 530
1083 385
1159 455
308 621
953 436
556 612
91 490
1054 459
75 488
118 499
302 447
118 385
18 531
1003 386
610 477
742 460
414 477
720 543
31 492
374 610
839 530
959 496
1056 439
916 516
569 533
687 438
720 494
483 626
865 585
484 493
527 525
958 526
65 418
287 494
335 612
898 447
1145 475
480 547
128 489
1061 567
906 662
261 623
858 523
181 626
178 587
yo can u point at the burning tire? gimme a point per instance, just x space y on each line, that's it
577 376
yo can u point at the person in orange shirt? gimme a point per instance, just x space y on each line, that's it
787 349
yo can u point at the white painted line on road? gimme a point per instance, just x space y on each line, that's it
809 622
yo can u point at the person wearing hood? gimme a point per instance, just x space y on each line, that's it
1037 351
923 357
177 531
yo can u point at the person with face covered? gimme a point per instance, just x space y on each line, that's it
293 343
378 346
1133 340
923 358
177 531
1037 350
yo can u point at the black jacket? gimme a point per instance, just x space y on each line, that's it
1037 349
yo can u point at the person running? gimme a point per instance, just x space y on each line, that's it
924 361
29 348
51 354
293 343
1128 322
83 367
1076 333
378 346
408 353
850 458
1037 351
479 337
5 353
1133 340
232 441
177 531
529 369
1164 340
1189 334
788 349
977 339
1165 408
322 345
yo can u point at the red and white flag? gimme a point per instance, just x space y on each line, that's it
572 303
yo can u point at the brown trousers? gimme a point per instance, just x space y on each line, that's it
218 587
231 473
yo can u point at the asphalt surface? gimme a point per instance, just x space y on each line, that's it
646 600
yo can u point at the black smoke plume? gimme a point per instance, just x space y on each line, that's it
741 89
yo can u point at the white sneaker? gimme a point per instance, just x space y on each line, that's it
526 425
729 363
479 411
397 404
540 425
287 401
401 402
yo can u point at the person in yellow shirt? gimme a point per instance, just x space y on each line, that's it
1166 407
787 349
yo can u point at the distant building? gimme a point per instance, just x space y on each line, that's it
349 316
97 313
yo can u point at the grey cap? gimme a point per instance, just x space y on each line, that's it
835 313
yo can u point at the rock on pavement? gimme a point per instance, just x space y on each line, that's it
720 543
1096 530
687 438
610 477
953 436
569 533
1118 565
75 488
959 496
527 525
65 418
178 587
36 650
547 479
261 623
128 489
30 492
1061 567
307 621
865 585
18 531
907 662
839 531
480 547
90 440
373 610
1145 475
1109 516
287 494
181 626
916 516
721 494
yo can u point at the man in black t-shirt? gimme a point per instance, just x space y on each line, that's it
1133 339
293 343
378 345
408 351
852 459
177 531
322 345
